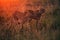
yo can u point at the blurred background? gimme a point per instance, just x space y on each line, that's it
30 20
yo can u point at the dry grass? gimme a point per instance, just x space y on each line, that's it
46 28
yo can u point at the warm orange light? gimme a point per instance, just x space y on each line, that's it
12 5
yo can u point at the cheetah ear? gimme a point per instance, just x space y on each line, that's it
42 10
